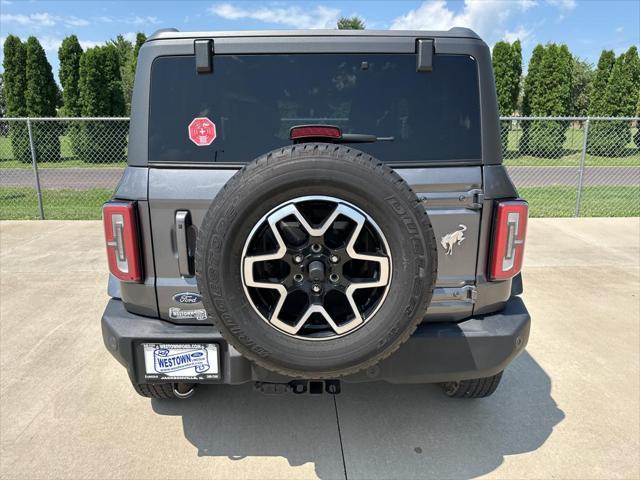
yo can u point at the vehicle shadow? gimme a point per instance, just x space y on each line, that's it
387 431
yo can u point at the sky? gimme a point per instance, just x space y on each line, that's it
586 26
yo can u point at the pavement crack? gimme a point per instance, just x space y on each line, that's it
344 463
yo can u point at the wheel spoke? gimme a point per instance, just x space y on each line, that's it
323 255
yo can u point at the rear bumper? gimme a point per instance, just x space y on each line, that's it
436 352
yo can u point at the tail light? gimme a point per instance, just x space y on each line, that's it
121 236
509 231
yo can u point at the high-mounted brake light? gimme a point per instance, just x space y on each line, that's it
314 131
121 236
509 231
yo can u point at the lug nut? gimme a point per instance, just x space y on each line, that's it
334 259
297 258
315 248
334 277
297 277
316 288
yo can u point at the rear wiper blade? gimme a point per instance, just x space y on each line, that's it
362 138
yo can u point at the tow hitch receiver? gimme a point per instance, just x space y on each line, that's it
313 387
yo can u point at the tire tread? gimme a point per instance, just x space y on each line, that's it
474 388
155 390
303 152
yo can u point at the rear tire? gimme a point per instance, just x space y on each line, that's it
475 388
163 391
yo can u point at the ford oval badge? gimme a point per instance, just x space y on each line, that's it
187 297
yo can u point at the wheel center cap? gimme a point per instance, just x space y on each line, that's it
316 271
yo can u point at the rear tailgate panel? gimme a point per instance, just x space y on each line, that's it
443 190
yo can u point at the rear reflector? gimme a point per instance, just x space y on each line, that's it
314 131
121 236
509 231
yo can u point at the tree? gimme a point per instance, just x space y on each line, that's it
633 62
41 90
3 103
507 68
636 136
620 95
15 76
582 76
69 55
529 91
4 128
41 97
101 96
532 79
124 49
552 98
140 39
610 138
14 64
600 81
351 23
547 93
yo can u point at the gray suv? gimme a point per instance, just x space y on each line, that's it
305 208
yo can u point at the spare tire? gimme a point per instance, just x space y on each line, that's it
316 261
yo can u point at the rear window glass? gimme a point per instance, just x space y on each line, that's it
254 100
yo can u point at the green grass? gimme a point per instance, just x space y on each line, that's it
68 160
573 161
570 154
596 201
21 203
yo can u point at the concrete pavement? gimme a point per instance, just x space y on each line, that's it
567 408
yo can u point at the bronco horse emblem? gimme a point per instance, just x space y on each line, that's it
450 239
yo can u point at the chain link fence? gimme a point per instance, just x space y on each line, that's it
574 166
60 168
66 168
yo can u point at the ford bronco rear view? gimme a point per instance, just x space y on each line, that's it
305 208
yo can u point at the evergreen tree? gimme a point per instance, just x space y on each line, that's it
15 76
504 77
598 131
140 39
41 97
3 102
620 95
633 62
636 136
41 90
69 55
351 23
530 90
532 79
610 138
552 98
101 96
124 49
600 80
507 68
516 66
14 63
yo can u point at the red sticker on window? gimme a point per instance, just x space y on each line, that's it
202 131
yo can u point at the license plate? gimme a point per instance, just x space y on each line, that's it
192 361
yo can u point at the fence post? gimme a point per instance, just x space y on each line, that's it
582 162
35 169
